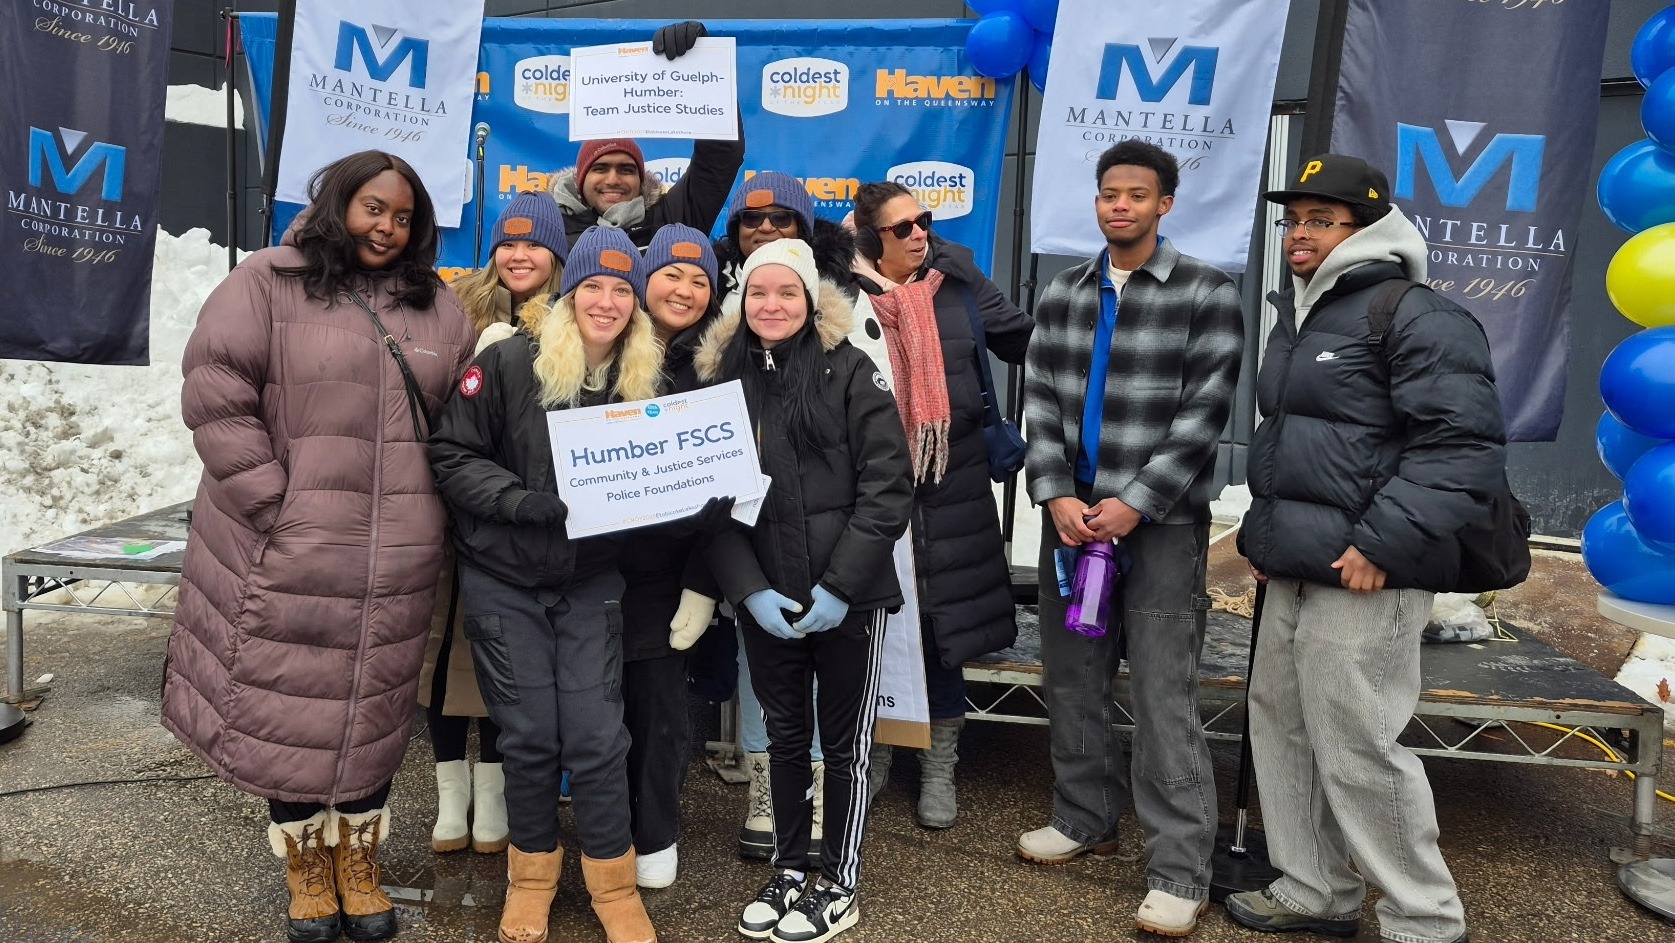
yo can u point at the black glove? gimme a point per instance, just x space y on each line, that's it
677 39
712 518
542 508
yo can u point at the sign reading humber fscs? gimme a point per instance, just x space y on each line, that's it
1489 155
82 87
387 75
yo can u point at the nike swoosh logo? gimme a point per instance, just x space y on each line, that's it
1324 356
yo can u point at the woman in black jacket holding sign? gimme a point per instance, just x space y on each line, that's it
543 612
820 554
926 292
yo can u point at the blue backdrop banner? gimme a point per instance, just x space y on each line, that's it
82 88
1483 116
834 103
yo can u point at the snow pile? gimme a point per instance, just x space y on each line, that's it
1652 661
82 446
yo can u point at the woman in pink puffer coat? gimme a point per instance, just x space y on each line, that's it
317 532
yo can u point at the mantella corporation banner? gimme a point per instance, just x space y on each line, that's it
835 103
1483 116
81 140
1196 78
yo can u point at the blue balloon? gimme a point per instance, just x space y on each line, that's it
1042 14
1637 187
1038 56
1649 497
1619 446
999 45
1637 382
1657 110
1623 562
985 7
1653 51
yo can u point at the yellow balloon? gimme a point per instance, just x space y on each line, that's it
1641 277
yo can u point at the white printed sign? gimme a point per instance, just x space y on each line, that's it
904 712
624 90
628 465
390 75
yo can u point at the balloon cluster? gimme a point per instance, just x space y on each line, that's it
1012 34
1629 545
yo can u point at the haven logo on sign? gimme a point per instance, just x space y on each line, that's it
352 39
48 160
897 83
805 87
947 190
1421 147
1123 58
668 170
542 83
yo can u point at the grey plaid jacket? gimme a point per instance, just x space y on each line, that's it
1175 359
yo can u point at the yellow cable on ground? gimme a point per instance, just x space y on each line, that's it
1612 754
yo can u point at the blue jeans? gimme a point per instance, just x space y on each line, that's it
1171 782
753 726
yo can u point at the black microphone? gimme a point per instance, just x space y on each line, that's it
482 130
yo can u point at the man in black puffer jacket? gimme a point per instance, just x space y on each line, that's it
1373 454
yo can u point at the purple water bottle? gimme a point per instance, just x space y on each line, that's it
1090 597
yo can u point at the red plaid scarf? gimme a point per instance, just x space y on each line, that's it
908 314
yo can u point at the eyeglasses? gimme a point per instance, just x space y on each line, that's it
1316 226
778 219
904 229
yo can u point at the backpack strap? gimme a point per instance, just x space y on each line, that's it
1383 310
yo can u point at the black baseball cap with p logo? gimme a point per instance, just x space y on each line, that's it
1336 177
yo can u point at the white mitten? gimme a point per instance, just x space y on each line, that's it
498 331
691 619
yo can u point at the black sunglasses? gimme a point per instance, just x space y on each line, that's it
904 229
778 219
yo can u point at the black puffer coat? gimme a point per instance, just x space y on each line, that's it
965 585
1391 451
833 517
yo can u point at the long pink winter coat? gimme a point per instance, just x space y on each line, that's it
316 537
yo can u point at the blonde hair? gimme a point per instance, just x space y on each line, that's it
477 291
561 364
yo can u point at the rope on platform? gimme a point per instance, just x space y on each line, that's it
1243 604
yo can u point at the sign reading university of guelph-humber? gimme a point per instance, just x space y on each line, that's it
81 139
1492 173
834 103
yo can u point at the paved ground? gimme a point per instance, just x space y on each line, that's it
187 861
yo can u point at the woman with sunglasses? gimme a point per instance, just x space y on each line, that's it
926 291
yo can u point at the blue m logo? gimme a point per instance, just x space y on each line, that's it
1120 58
46 160
1418 146
352 38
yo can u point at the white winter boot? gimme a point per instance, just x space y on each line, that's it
756 836
453 799
488 816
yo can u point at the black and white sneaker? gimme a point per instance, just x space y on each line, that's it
823 912
772 902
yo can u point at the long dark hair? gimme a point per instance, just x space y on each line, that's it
329 250
800 361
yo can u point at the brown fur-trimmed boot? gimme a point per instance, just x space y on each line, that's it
616 899
367 911
531 882
306 848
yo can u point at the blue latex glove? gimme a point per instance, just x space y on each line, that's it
768 607
825 613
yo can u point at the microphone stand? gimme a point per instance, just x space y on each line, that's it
477 230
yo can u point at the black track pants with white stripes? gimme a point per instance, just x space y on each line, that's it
845 659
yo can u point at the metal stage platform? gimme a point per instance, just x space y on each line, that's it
1481 701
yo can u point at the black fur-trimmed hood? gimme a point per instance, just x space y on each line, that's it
834 251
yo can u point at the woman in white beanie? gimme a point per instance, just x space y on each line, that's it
830 437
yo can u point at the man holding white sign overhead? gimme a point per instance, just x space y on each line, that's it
609 185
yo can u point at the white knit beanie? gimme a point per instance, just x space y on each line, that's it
795 255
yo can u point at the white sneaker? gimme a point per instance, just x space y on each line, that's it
1048 845
656 869
1165 914
822 913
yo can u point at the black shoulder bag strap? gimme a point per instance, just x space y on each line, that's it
1383 310
415 399
991 409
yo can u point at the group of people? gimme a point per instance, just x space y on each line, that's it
379 524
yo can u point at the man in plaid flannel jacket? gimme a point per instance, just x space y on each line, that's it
1129 380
